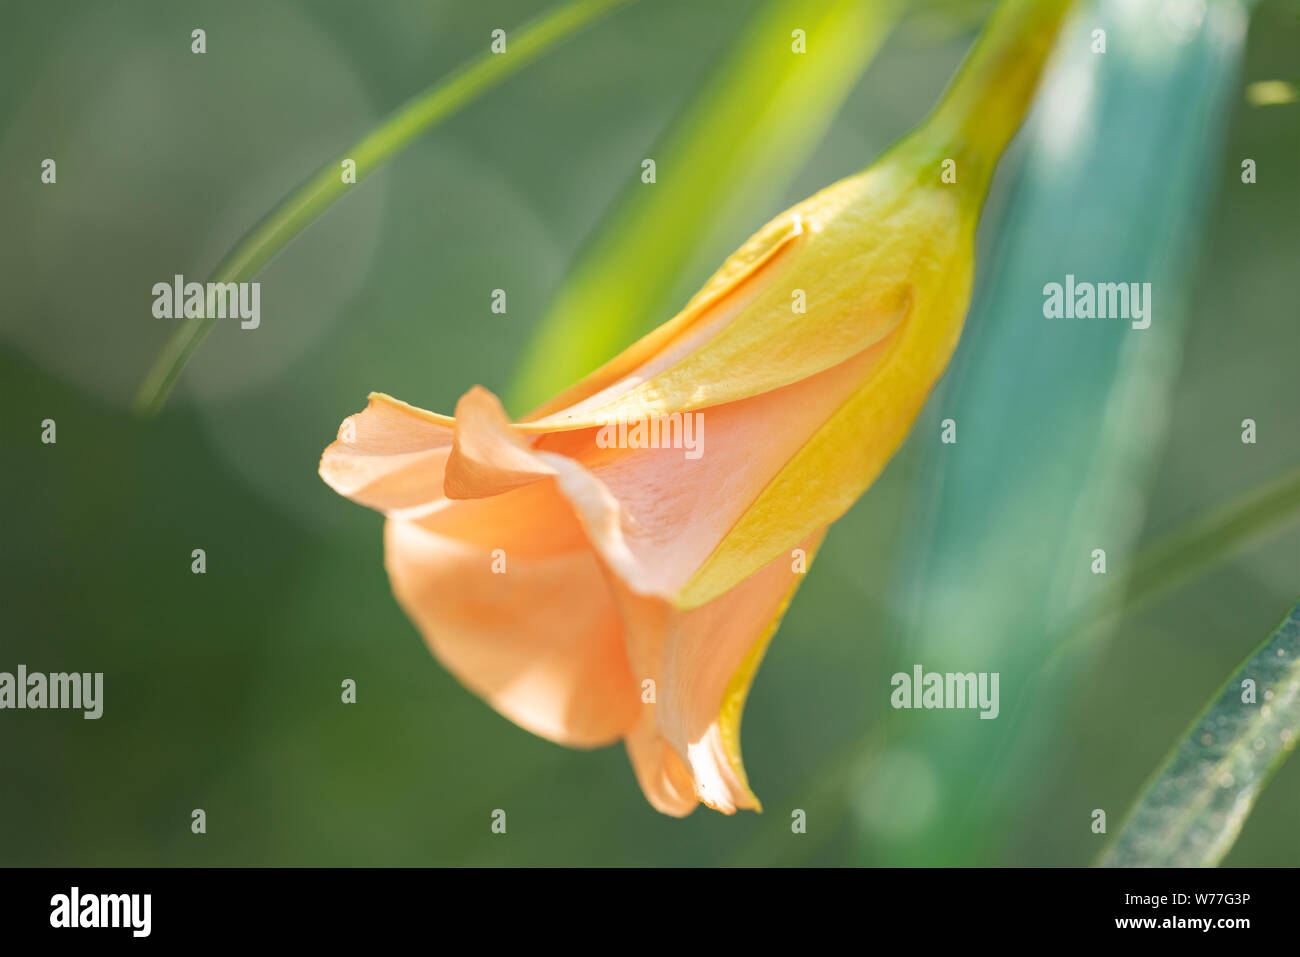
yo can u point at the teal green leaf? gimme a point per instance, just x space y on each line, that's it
1191 813
758 116
1061 423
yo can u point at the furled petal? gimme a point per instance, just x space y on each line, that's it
703 662
488 457
664 777
847 452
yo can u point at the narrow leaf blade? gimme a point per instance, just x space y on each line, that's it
1191 813
308 202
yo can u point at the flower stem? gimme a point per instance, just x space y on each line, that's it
987 100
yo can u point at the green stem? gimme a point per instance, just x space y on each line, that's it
987 100
305 204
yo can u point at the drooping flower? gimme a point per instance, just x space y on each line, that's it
613 565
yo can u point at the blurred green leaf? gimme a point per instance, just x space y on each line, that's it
1060 423
1184 554
309 201
1191 813
758 116
1172 562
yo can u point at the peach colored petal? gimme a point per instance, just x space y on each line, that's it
488 458
541 517
390 456
702 662
542 642
665 779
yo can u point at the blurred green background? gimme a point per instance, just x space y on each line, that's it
222 690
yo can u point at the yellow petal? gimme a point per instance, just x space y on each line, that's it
844 456
850 254
722 298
